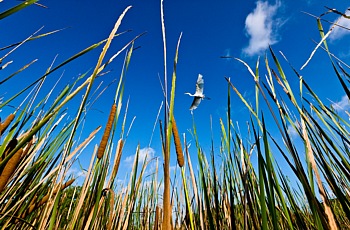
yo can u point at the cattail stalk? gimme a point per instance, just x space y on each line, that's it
178 148
105 137
323 195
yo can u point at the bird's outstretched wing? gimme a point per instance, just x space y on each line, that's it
199 85
195 103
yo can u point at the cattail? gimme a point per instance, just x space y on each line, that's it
10 146
10 168
46 197
156 221
26 150
111 205
65 185
104 140
7 122
178 148
42 201
30 208
33 206
118 157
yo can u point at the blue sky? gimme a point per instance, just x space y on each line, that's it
242 29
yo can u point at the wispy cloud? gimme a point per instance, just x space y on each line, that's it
261 27
342 105
144 153
76 172
227 53
292 132
339 32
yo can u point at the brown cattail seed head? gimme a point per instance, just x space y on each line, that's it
105 137
178 148
118 157
10 168
7 122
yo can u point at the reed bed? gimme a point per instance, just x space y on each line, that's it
227 192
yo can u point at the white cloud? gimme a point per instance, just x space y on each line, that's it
292 132
342 105
227 53
339 32
144 153
309 2
261 27
76 172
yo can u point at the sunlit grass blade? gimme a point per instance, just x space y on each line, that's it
81 53
244 100
17 8
32 38
18 71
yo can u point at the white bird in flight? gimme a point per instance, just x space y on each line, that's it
198 95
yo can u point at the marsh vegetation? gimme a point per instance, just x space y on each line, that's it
226 192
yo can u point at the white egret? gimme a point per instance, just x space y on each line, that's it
198 95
